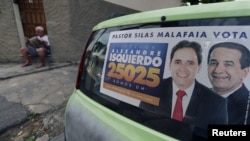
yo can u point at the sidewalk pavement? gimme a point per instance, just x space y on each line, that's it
28 90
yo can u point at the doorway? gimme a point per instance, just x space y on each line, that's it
32 14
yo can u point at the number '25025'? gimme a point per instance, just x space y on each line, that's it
140 74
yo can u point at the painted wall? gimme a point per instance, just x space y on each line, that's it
9 39
69 24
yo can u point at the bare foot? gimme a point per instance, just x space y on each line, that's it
40 65
26 64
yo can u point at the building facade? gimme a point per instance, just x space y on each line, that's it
68 24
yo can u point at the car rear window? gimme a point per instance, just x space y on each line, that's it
126 70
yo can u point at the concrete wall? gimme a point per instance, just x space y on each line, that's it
9 39
69 24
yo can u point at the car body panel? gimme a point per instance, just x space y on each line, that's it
230 9
107 125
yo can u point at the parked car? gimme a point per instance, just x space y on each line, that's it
122 93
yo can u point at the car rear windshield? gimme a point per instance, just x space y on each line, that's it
134 70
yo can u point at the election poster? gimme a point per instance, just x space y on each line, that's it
137 61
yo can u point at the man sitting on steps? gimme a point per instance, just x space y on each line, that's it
36 46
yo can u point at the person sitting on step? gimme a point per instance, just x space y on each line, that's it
36 46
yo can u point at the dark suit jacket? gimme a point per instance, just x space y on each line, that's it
205 107
237 106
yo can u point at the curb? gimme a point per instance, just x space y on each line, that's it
16 70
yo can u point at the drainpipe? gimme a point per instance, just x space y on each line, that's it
18 23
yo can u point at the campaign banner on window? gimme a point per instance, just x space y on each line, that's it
135 70
137 65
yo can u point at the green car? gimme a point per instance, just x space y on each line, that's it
133 65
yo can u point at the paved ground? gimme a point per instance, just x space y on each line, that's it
29 90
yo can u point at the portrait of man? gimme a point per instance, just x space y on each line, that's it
228 66
198 106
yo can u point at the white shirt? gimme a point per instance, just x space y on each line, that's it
44 38
185 100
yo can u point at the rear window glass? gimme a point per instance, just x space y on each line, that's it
137 70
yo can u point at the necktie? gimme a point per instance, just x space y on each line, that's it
178 112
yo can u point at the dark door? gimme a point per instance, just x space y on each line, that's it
32 15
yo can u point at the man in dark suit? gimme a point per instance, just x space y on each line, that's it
200 105
228 66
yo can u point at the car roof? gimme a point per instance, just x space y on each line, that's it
203 11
